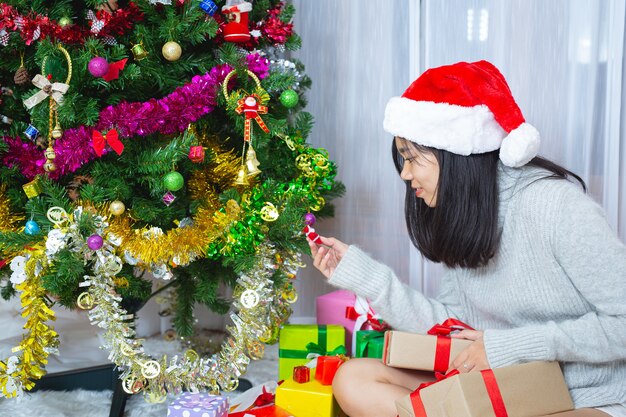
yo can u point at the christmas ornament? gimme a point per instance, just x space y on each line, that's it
236 30
208 6
168 198
111 137
117 208
171 51
33 188
173 181
252 163
50 154
5 119
114 70
31 132
139 52
269 213
289 98
98 66
32 228
95 242
65 21
21 75
84 301
49 166
309 219
310 233
242 178
196 154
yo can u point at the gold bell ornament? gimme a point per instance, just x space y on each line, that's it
252 164
139 52
242 177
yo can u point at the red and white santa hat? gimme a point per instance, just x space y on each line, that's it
465 108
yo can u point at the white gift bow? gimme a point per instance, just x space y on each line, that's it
362 307
55 90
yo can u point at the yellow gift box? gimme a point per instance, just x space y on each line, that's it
311 399
293 341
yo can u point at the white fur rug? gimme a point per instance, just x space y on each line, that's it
81 403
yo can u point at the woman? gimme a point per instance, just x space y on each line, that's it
531 261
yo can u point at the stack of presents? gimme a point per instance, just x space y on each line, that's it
310 355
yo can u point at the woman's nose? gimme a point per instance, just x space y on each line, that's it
405 174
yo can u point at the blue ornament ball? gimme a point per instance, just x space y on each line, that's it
32 228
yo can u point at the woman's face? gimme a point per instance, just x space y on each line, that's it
421 169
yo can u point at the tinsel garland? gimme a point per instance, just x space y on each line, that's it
18 372
171 114
8 219
35 26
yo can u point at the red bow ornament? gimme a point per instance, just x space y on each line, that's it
250 106
111 137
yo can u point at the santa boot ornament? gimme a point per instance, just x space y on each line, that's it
236 28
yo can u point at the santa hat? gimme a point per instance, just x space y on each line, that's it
464 108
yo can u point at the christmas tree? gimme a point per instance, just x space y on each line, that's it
160 136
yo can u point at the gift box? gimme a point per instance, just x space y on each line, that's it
199 404
266 411
342 307
431 352
326 368
310 399
530 389
369 344
299 343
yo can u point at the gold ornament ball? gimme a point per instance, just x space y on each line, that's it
172 51
49 166
57 132
50 154
117 208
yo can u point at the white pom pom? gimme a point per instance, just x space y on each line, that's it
520 146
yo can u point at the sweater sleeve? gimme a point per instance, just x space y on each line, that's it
593 258
403 307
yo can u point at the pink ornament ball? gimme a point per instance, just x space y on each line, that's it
95 242
98 66
309 219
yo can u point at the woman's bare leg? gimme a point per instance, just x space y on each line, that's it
366 387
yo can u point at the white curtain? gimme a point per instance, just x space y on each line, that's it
564 63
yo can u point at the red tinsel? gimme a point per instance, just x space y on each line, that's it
35 26
275 29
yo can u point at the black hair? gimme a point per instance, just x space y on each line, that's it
462 230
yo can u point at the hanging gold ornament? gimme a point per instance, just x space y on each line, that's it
252 163
242 177
117 208
49 166
50 154
171 51
57 132
139 52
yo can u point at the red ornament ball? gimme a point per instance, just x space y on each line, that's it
98 66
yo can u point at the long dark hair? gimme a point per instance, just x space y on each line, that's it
462 230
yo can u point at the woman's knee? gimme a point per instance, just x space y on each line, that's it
355 372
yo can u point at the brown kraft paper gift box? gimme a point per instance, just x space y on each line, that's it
527 390
416 351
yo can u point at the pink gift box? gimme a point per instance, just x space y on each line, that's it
331 309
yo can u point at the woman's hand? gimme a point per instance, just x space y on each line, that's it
473 357
327 255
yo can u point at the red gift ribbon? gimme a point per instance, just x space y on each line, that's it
376 324
444 342
251 108
111 137
495 396
264 399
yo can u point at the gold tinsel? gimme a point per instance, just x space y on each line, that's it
9 221
33 351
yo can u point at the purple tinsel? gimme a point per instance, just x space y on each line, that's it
258 64
171 114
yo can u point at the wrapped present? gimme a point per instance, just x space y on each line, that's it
311 399
344 308
434 351
530 389
301 374
369 344
326 368
265 411
199 404
299 343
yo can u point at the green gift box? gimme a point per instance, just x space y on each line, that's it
297 341
369 344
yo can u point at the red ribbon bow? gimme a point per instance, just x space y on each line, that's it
111 137
493 391
113 73
376 324
265 398
442 331
251 108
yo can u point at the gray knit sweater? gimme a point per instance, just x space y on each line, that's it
555 290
